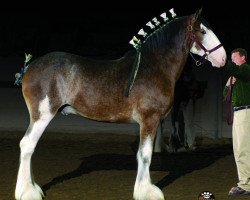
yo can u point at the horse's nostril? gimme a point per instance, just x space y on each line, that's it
224 59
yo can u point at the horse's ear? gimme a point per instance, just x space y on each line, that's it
197 14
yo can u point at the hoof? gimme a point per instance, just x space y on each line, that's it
30 192
148 192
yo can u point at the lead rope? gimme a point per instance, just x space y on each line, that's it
228 100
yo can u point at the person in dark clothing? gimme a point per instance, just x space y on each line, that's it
239 71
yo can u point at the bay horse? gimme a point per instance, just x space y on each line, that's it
95 89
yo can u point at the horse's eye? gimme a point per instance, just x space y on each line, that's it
203 31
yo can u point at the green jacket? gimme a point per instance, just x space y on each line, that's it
241 88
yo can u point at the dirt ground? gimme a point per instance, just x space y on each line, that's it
103 166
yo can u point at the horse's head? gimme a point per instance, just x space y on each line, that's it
205 42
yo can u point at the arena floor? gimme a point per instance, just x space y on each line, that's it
103 166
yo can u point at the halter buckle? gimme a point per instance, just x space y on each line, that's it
198 63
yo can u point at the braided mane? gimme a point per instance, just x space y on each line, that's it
163 36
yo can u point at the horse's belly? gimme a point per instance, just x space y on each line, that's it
100 113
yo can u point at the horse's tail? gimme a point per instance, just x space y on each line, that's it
19 76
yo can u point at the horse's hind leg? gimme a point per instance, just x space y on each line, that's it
144 189
40 116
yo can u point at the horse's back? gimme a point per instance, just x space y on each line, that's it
63 62
60 66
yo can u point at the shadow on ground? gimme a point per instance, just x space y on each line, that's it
177 164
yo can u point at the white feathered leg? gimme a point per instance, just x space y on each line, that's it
26 188
144 189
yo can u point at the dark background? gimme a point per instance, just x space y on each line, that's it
104 28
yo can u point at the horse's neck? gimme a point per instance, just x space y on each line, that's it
170 59
171 63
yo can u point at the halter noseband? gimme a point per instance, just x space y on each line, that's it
194 38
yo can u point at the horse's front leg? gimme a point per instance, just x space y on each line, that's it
144 189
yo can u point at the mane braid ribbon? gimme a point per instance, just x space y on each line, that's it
134 71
